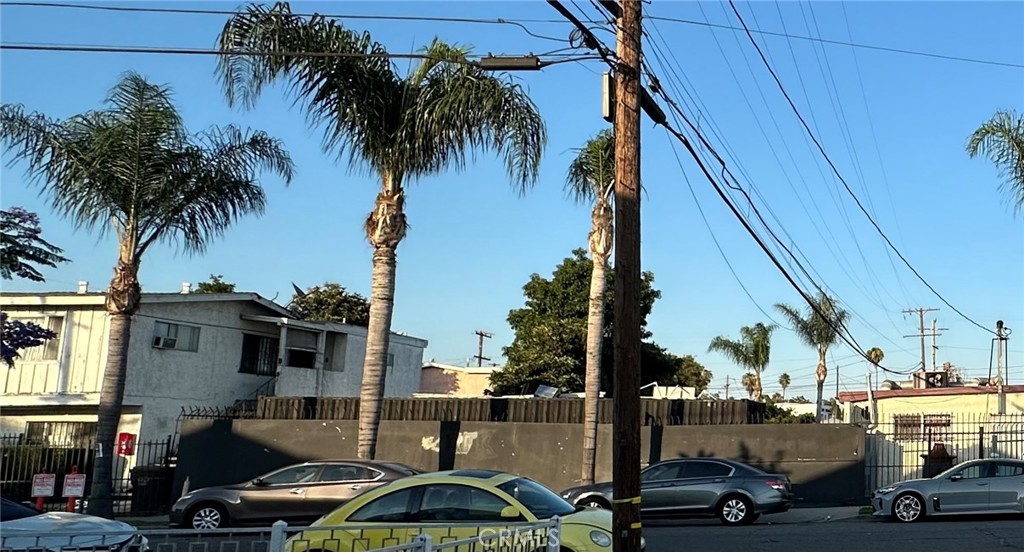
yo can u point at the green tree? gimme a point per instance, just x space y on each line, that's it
752 352
216 284
1001 139
133 168
875 357
818 326
331 302
657 365
750 383
22 246
400 127
784 382
551 328
590 179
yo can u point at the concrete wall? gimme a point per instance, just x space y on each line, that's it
825 462
457 383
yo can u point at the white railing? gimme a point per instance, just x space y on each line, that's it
280 537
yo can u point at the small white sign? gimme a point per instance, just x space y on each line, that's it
43 484
74 485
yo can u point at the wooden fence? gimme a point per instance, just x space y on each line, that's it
567 411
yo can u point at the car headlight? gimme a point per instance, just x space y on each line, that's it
889 489
601 538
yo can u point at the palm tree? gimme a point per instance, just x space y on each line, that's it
820 331
1001 139
134 166
399 127
591 178
752 351
784 382
875 356
750 383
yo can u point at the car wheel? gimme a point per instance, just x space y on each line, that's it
736 510
208 516
908 508
594 502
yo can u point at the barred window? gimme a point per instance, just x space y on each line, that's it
922 427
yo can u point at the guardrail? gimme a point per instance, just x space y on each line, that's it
280 537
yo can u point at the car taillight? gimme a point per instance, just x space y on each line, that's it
777 484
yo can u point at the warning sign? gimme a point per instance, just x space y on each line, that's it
43 484
74 485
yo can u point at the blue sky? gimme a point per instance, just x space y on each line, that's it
894 124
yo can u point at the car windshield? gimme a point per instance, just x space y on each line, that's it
10 510
538 499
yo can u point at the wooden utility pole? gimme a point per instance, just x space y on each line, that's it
480 358
626 424
935 343
920 312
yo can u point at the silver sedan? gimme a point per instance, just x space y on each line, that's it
993 486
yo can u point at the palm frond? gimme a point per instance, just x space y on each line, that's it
1001 139
733 350
810 326
592 171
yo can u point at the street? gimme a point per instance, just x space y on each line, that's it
860 535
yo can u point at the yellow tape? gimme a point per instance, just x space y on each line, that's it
634 500
635 525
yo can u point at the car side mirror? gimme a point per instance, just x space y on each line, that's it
509 512
956 477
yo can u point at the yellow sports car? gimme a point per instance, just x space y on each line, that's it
488 509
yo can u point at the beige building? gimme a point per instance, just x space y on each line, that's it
954 401
455 381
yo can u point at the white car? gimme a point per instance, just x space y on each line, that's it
23 528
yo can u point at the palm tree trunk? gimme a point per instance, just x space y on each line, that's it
821 373
385 228
758 390
600 247
123 298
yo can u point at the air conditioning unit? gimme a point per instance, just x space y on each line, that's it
936 379
160 342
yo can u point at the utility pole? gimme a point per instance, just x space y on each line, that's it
920 312
727 387
935 345
480 358
626 426
837 382
1001 341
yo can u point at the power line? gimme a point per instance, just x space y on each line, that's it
843 43
189 11
840 176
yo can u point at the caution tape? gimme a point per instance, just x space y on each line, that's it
634 500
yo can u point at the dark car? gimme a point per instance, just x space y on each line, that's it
735 492
297 493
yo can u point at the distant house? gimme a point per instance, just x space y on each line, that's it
187 350
950 401
455 381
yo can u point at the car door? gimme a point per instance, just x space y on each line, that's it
384 521
966 490
337 484
656 486
1006 490
279 495
700 485
450 512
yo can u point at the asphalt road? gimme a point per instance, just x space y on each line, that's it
855 535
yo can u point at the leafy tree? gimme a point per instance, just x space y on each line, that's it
752 352
875 356
134 166
400 127
749 382
818 326
331 302
551 329
18 335
1001 139
784 382
216 284
22 246
775 414
590 179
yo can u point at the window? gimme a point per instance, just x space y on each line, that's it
977 471
259 355
391 361
175 336
922 427
460 503
292 476
540 500
705 469
1006 469
61 434
345 472
50 349
661 472
393 507
300 358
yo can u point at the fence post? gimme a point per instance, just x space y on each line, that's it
277 536
981 442
424 543
554 534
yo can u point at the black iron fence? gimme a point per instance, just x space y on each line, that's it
143 473
915 445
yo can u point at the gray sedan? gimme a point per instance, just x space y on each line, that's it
993 486
297 493
735 492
